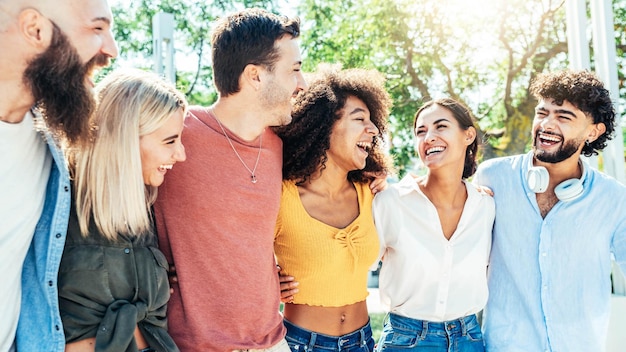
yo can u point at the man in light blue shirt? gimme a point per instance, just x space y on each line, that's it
49 52
557 223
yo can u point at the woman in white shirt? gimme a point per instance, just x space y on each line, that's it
435 234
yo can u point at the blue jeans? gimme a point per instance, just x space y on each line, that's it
406 334
300 339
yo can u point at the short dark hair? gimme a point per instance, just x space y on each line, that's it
247 37
307 138
586 92
465 119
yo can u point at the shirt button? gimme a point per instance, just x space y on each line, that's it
57 327
126 250
66 188
544 254
58 235
50 283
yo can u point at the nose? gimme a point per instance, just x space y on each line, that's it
429 136
371 128
109 46
179 154
547 123
301 83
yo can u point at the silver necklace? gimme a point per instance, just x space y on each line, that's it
252 172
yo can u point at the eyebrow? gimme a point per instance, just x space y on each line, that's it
356 111
102 19
557 111
170 138
443 119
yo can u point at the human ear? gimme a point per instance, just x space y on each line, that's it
251 76
470 135
596 131
36 29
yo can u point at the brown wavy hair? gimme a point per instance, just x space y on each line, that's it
307 138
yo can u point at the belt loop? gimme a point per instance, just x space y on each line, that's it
463 326
362 332
309 347
424 329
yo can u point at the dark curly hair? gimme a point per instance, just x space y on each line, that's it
307 138
587 93
465 119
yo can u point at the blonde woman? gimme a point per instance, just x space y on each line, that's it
113 286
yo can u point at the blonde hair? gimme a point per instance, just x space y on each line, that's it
109 185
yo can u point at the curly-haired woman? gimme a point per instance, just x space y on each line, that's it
325 233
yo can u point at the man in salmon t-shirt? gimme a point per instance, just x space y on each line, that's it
216 214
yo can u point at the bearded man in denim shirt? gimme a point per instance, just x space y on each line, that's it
557 223
49 51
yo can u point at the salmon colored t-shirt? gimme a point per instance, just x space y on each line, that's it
217 228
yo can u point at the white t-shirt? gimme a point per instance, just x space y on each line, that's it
24 171
424 276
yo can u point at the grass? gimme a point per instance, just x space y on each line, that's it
376 321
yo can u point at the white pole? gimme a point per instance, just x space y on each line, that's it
578 44
163 33
606 69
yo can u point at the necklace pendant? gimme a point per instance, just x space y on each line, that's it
253 178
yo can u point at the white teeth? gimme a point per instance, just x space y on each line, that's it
549 137
434 150
364 145
166 167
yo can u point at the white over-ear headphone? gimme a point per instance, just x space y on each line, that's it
538 179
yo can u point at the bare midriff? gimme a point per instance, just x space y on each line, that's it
333 321
89 344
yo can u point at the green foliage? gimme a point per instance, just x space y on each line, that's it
193 19
433 48
482 52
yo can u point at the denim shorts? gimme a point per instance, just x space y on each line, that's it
300 339
406 334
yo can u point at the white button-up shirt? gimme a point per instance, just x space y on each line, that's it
424 276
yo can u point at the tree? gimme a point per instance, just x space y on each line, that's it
429 48
133 31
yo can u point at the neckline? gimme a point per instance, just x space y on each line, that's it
347 227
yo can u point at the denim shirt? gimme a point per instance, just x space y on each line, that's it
550 278
39 327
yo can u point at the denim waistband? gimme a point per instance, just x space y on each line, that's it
335 343
452 327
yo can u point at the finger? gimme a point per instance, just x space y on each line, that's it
285 279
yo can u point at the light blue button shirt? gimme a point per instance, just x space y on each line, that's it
39 327
549 279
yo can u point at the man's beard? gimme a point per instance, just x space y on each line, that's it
58 81
565 151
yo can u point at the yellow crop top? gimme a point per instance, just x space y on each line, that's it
330 264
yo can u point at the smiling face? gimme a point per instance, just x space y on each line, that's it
440 139
282 84
60 77
352 136
559 132
161 149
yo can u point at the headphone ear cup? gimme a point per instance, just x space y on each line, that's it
538 179
569 190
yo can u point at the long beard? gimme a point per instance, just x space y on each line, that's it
58 81
567 149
